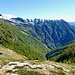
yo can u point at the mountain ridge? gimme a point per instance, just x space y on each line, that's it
72 23
52 33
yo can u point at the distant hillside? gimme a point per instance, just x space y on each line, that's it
15 39
72 23
64 54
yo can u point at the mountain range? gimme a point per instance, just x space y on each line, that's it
52 33
72 23
34 38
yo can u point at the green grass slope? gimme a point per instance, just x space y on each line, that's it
64 54
14 39
9 55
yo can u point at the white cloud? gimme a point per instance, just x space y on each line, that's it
7 16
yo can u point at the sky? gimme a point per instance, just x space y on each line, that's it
43 9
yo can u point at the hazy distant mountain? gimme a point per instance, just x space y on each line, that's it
72 23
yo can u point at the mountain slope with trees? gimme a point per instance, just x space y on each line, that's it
65 54
15 39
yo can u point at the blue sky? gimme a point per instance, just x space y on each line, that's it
45 9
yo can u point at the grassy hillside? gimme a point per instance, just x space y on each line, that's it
9 55
14 39
64 54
